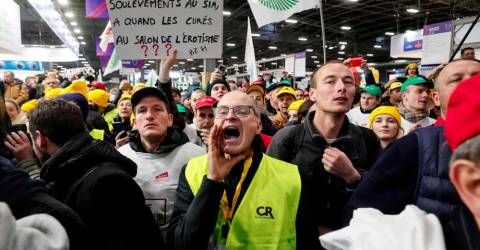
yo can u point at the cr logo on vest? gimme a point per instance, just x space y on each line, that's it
265 212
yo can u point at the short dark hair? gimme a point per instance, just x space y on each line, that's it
58 120
464 49
312 80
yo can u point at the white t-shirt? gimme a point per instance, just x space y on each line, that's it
358 118
425 122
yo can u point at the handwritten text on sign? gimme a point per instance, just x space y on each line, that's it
152 29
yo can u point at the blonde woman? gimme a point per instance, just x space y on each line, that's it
385 121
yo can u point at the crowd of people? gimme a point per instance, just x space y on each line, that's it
263 165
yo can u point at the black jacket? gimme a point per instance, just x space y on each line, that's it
26 197
267 125
96 181
194 217
460 230
303 146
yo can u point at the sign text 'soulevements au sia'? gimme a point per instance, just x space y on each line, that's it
152 29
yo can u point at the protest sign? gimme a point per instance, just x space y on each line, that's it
152 29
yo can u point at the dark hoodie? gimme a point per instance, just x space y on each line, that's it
96 181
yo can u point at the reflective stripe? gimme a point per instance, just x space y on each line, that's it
97 134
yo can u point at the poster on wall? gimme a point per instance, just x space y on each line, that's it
407 45
154 29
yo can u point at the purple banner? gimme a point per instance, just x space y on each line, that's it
133 63
437 28
109 50
299 55
104 62
96 9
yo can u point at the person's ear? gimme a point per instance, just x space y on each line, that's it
40 140
170 120
312 95
259 127
465 176
436 98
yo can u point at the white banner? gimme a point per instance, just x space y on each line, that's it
250 54
271 11
154 29
10 33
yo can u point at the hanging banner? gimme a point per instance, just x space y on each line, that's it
100 52
300 64
154 29
20 65
437 40
136 64
96 9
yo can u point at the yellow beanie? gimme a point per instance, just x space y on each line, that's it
385 110
99 97
138 87
412 66
29 106
77 86
296 105
124 97
53 93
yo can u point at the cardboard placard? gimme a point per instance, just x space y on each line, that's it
154 29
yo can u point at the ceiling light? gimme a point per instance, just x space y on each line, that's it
230 45
283 54
274 63
309 50
181 62
63 2
389 33
263 59
302 39
255 34
353 1
235 64
272 47
175 65
412 10
52 47
220 61
346 28
370 54
291 21
227 13
151 61
376 46
77 31
201 66
341 52
189 60
314 57
193 68
83 43
80 37
342 47
73 23
234 57
316 61
340 58
69 14
330 47
343 43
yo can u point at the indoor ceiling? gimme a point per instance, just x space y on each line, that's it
361 24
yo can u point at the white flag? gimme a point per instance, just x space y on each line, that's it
271 11
114 63
152 78
106 37
250 55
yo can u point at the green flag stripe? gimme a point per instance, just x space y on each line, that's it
281 5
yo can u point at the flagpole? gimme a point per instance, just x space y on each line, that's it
323 33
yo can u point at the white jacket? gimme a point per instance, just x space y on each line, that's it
358 118
370 229
157 176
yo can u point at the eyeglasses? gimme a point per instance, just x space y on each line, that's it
239 111
205 115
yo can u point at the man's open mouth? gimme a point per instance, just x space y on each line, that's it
231 133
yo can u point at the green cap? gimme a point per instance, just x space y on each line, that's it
181 108
372 89
286 82
417 80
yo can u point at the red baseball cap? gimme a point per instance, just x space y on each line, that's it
206 101
99 85
462 121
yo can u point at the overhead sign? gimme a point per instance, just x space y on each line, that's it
20 65
412 41
10 35
154 29
408 44
96 9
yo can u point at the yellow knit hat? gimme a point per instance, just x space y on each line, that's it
411 66
53 93
385 110
124 97
29 106
77 86
99 97
296 105
138 87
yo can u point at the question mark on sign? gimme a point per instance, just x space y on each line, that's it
145 48
155 47
169 47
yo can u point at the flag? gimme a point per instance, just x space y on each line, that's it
152 78
271 11
99 77
106 37
250 54
114 63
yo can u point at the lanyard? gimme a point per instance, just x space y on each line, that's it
226 209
